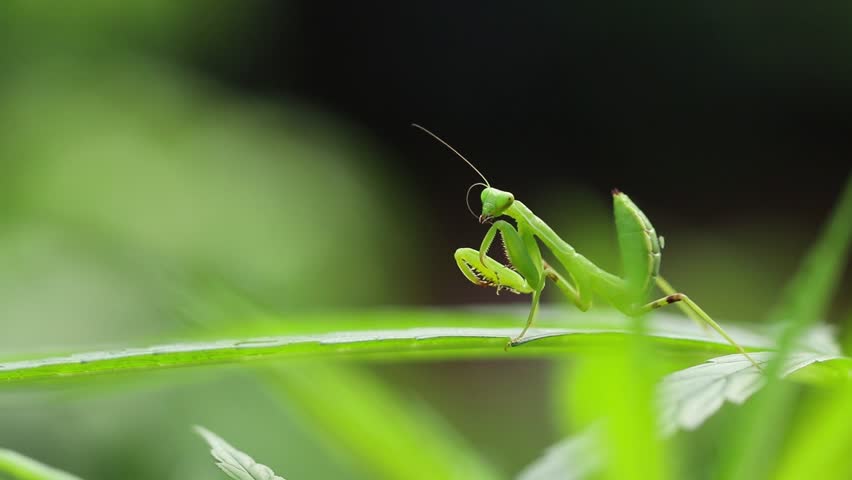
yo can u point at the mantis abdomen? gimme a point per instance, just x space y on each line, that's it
639 245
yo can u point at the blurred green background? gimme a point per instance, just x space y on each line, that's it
169 168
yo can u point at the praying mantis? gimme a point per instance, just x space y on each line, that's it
527 273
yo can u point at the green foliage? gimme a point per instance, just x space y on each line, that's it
807 298
392 437
412 337
233 462
380 431
809 293
689 397
624 406
574 458
827 418
24 468
142 205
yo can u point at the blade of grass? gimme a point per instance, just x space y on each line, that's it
25 468
452 340
762 422
388 436
808 294
821 441
609 391
687 398
615 389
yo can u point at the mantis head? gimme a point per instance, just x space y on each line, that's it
494 203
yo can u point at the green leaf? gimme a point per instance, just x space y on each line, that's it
25 468
233 462
821 441
458 336
689 397
573 458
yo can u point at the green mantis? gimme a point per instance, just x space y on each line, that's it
527 272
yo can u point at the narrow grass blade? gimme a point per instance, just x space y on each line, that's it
808 294
389 436
807 297
20 467
821 441
455 338
688 397
615 390
233 462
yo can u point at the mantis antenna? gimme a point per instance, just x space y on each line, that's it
467 197
454 151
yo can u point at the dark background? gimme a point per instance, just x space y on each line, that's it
732 107
708 116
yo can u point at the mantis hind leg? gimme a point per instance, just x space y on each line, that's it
701 314
668 289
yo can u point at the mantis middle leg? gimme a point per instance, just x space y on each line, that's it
572 291
527 273
524 255
569 290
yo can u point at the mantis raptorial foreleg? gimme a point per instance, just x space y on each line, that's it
524 255
484 271
487 272
640 246
521 250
